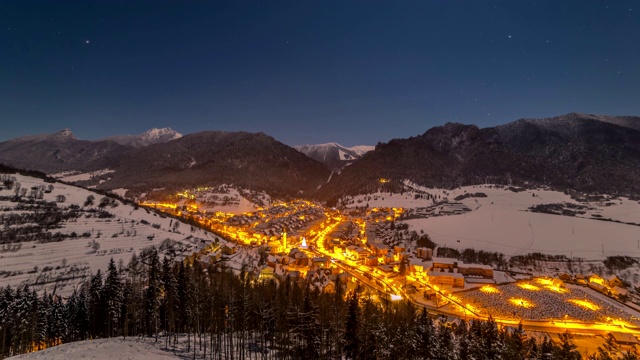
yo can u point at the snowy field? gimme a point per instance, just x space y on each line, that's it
129 231
501 222
108 349
533 301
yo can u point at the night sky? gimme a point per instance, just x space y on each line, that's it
354 72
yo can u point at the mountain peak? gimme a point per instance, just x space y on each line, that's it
65 133
156 133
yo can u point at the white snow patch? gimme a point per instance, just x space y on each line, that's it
112 348
86 176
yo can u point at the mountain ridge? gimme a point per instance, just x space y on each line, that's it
569 151
586 152
149 137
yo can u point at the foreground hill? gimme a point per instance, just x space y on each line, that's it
334 156
55 236
575 151
110 348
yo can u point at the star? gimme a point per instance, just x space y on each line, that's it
509 36
87 41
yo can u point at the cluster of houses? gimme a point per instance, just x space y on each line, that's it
454 208
449 271
292 217
612 285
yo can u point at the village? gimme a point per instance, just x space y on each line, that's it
365 249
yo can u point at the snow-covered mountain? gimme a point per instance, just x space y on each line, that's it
60 151
334 156
153 136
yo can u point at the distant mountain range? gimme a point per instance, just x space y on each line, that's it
578 151
334 156
247 160
62 151
584 152
163 158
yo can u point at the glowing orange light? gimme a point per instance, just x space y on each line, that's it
585 304
488 289
521 303
527 286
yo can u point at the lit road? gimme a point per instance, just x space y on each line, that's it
393 288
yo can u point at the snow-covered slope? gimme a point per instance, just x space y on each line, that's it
502 221
333 155
153 136
105 349
85 240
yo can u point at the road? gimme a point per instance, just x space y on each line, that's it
461 311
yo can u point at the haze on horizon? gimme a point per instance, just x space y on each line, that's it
312 72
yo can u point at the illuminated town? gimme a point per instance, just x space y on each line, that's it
360 249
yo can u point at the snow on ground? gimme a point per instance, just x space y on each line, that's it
108 349
84 176
224 198
362 149
545 304
407 200
501 222
129 231
120 192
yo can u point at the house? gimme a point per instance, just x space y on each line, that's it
475 270
424 253
267 273
387 271
214 257
614 281
229 249
301 259
399 249
320 262
339 249
597 287
429 294
623 338
388 259
444 263
594 278
352 251
371 260
345 277
558 283
619 292
445 278
356 252
564 277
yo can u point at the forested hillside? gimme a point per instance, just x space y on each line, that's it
224 314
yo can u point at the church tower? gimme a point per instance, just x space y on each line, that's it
284 239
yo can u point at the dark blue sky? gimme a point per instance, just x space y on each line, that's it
355 72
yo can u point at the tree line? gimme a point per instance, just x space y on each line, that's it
238 316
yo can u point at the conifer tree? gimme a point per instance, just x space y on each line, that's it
112 294
351 327
567 349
